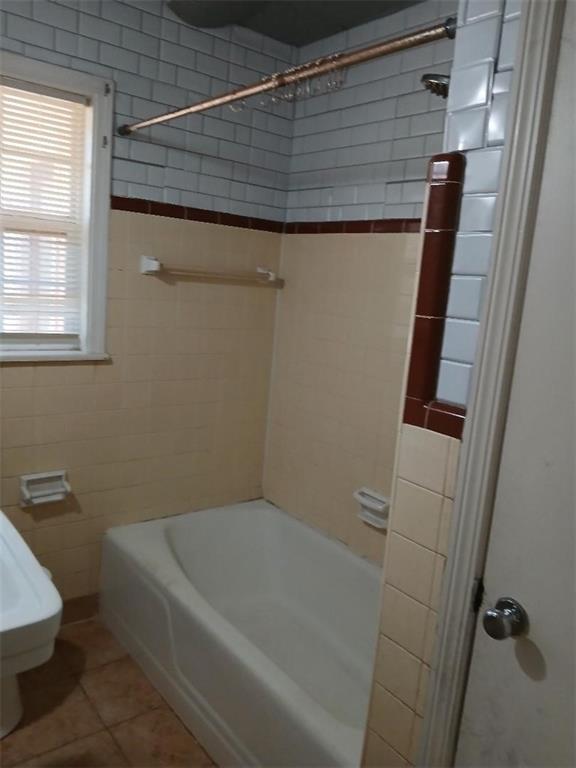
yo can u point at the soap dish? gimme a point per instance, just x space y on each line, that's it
374 508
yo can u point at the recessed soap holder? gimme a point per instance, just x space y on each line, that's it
374 508
43 488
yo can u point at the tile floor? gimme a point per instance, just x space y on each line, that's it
90 706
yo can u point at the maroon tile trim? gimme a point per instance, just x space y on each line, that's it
443 205
426 347
138 205
446 418
435 270
352 227
449 166
445 181
415 412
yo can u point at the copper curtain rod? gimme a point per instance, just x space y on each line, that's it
304 72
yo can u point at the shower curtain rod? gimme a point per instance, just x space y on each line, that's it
306 71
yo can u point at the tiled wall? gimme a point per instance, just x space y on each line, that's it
476 123
222 160
413 572
340 350
175 421
361 152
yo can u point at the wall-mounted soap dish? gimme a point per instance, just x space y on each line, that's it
374 508
43 488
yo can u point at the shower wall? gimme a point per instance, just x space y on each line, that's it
340 349
177 419
358 153
361 152
222 160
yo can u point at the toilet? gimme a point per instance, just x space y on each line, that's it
30 614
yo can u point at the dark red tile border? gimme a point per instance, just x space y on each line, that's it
138 205
445 181
446 418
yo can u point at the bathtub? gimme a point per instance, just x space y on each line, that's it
259 631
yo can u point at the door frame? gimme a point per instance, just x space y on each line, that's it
531 101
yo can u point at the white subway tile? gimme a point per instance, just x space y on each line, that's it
477 213
405 148
120 13
481 9
119 58
56 16
144 44
66 42
460 340
87 48
502 82
26 31
19 7
477 42
497 120
99 29
465 297
47 55
470 86
465 130
508 44
454 382
512 9
472 254
482 171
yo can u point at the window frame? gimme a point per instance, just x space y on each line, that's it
100 93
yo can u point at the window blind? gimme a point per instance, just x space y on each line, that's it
43 189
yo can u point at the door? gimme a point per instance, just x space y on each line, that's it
519 703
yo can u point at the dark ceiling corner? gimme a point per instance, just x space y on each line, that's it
295 22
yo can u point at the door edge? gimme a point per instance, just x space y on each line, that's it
538 48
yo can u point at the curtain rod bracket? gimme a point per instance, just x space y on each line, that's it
450 26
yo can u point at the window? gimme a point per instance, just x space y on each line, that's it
54 199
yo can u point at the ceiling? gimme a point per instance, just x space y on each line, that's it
296 22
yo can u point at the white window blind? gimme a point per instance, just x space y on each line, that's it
43 189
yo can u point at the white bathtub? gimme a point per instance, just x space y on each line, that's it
258 630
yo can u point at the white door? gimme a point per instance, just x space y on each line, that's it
519 704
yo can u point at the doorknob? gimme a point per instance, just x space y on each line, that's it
506 619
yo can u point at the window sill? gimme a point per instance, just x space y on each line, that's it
52 356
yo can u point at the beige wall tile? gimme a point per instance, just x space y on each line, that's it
452 467
417 513
435 594
430 637
397 670
340 348
379 754
410 568
391 719
415 740
403 620
176 420
423 457
422 689
445 527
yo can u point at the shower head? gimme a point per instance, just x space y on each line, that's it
437 84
